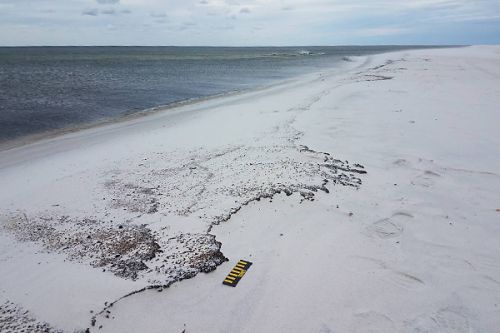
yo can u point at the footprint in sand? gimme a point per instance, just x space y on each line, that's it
371 322
389 227
426 179
403 280
386 275
426 176
445 320
488 263
386 228
401 162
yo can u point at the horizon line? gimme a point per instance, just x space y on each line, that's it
240 46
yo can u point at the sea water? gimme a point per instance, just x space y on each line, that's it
51 88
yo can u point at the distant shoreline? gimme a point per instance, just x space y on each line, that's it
241 47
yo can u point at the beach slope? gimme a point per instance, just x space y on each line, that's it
366 197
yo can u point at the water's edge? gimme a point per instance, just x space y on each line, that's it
10 143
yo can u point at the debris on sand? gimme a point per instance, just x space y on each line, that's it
13 318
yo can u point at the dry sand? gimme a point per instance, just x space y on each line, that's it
366 197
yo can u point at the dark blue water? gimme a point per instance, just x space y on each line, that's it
51 88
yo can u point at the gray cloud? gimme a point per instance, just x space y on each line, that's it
109 11
34 22
158 15
90 12
108 2
189 24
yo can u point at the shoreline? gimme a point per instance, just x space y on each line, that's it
54 134
39 145
131 115
367 172
127 116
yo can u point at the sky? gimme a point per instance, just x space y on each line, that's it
248 23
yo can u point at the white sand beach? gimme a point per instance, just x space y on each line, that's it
367 198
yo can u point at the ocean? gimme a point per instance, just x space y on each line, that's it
45 89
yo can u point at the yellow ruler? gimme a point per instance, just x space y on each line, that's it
237 273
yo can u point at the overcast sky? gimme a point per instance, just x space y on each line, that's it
250 22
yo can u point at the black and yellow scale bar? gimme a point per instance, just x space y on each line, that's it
237 273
